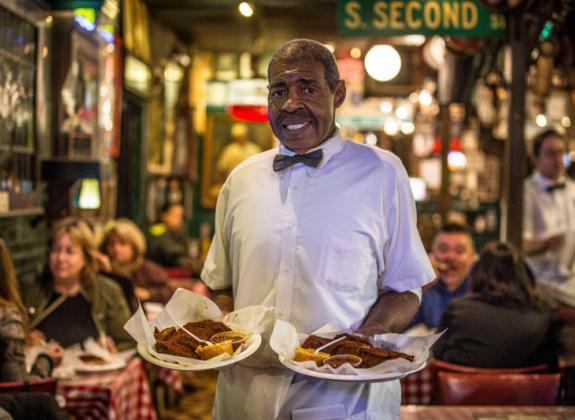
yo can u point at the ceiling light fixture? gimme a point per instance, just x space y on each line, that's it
382 62
246 9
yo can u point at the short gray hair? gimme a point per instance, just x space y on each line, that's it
308 49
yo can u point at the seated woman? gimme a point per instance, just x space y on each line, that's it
69 302
501 322
13 320
125 245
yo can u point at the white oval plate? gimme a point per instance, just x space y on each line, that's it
378 377
197 365
106 367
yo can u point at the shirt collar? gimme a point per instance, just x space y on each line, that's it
330 147
542 182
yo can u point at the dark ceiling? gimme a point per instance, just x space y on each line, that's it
217 25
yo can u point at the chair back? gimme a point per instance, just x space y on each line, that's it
177 273
47 385
438 365
454 388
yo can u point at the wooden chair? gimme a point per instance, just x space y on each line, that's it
454 388
47 385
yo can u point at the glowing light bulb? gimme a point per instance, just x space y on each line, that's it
382 62
391 128
425 98
355 52
246 9
407 128
541 120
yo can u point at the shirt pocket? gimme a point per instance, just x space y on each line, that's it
346 261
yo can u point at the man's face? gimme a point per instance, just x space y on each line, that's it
550 160
301 106
174 218
455 251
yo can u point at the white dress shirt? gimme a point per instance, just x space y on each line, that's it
547 214
319 245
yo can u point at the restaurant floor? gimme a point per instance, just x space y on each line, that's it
197 401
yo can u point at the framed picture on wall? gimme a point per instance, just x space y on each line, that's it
228 143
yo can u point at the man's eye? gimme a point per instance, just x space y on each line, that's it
309 90
277 92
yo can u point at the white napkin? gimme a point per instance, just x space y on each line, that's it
285 339
186 306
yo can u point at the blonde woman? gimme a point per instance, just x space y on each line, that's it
125 246
70 302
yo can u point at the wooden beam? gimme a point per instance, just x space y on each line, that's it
514 158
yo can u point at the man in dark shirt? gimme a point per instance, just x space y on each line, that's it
452 256
169 243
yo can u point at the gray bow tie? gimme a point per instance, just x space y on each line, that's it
310 159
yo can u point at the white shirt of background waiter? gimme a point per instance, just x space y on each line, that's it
548 214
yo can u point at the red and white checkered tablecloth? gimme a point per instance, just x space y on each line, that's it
170 377
118 395
417 388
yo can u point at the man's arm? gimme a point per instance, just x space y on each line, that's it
539 246
392 312
224 299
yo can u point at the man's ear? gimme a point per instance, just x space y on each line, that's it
339 93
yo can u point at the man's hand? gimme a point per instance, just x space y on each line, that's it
539 246
554 242
224 299
392 312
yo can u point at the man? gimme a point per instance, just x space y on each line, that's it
549 211
237 151
452 256
322 233
169 243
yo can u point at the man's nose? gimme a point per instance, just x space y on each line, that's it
292 102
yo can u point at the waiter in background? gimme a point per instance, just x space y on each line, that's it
549 211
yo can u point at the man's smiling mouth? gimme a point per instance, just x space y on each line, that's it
297 126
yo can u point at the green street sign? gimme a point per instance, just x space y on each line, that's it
459 18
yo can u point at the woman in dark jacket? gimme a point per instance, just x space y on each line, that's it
502 322
70 302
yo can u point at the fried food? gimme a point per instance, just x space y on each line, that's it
177 342
357 346
92 359
208 352
303 355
